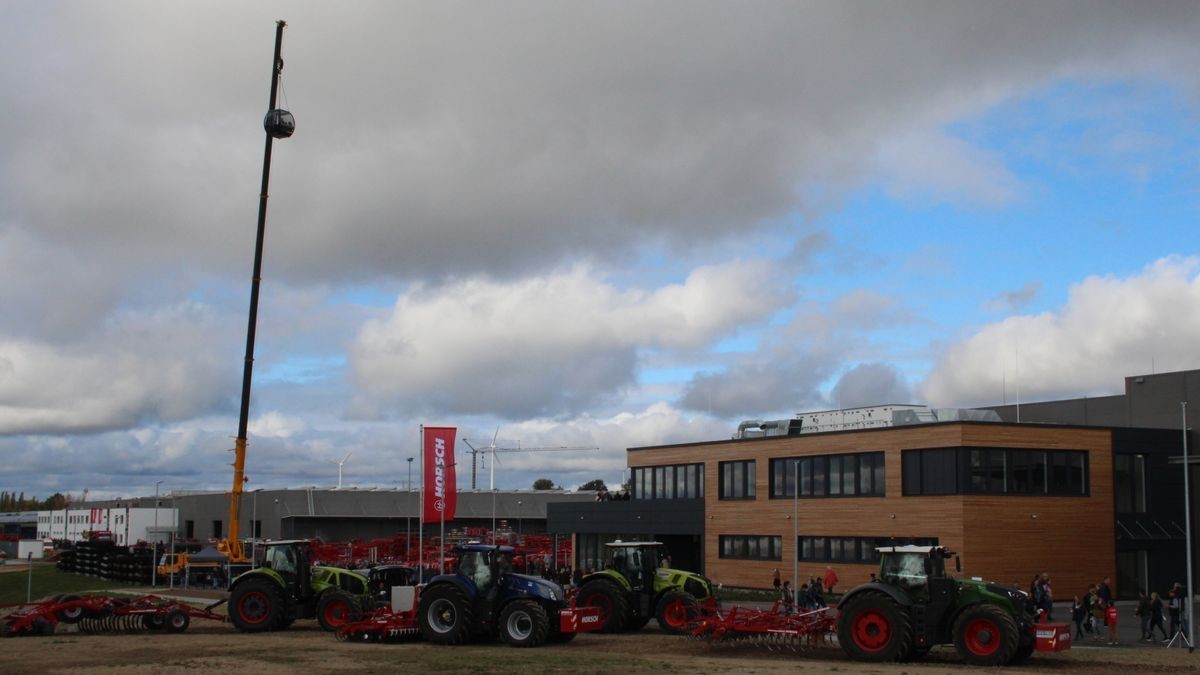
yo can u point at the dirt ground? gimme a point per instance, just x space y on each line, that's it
211 646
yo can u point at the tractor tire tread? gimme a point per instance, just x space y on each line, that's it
464 613
1008 634
900 647
537 615
618 600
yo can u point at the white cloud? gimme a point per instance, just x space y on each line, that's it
927 165
547 345
164 364
1109 328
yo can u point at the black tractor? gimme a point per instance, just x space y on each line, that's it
915 606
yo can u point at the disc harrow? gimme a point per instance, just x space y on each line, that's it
97 614
777 629
382 626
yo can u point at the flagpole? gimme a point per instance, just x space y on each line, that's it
421 513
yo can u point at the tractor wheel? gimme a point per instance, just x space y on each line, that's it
874 627
985 635
612 601
445 615
523 623
336 609
69 614
255 605
177 621
676 610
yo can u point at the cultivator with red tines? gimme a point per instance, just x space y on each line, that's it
777 628
382 625
103 614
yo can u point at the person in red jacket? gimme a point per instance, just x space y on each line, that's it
831 579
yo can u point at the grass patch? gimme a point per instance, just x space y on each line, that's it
47 580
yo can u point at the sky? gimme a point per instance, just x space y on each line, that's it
591 224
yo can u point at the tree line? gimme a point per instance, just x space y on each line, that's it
14 501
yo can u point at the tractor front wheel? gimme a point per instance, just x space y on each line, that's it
255 605
985 635
336 609
612 601
874 627
445 615
676 610
523 623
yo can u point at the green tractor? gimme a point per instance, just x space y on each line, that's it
915 605
287 586
632 589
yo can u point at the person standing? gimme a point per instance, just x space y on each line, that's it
1143 613
1078 614
1110 617
1174 605
785 596
1156 617
1104 591
1047 603
775 579
831 579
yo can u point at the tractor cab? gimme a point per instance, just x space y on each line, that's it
291 560
919 570
635 561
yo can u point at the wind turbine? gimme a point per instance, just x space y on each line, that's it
492 448
340 465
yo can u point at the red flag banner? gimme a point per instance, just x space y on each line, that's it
441 493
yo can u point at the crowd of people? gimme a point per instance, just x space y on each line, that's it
1095 614
603 495
810 596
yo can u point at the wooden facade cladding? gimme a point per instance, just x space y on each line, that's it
1072 537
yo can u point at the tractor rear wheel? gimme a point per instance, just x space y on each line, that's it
445 615
612 601
985 635
255 605
336 609
874 627
523 623
676 610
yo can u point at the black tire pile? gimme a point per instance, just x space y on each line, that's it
108 561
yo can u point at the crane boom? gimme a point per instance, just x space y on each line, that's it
232 545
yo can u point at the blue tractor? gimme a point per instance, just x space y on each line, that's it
484 599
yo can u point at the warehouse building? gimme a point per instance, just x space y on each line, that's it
322 513
1081 499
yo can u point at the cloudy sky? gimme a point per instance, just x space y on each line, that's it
605 224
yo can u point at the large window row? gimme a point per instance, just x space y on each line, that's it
952 471
751 547
677 481
846 475
853 549
737 480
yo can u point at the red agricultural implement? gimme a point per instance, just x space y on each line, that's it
778 627
102 614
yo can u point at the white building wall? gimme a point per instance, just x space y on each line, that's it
129 525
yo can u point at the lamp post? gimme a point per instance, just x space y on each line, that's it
174 525
795 528
154 562
408 516
1187 523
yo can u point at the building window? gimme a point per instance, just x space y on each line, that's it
952 471
1129 483
860 550
216 529
677 481
751 547
737 479
846 475
189 529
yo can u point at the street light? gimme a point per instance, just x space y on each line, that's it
796 530
154 562
174 526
